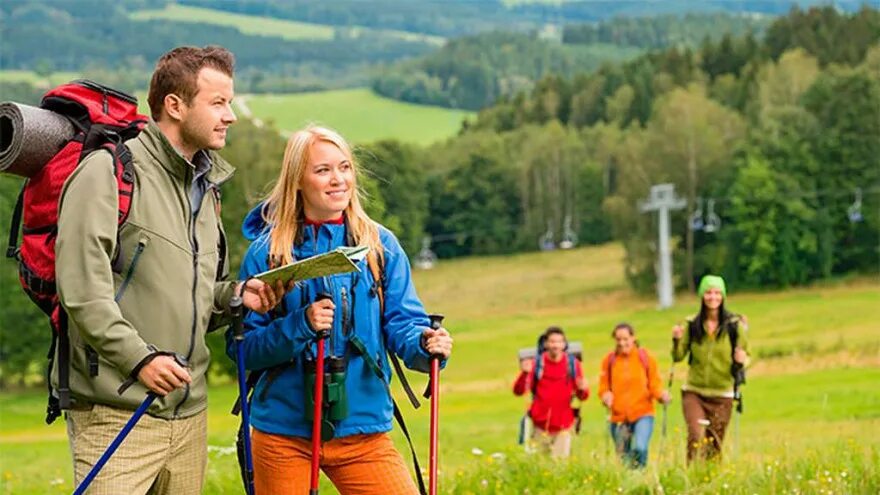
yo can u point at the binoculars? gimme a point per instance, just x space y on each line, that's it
335 407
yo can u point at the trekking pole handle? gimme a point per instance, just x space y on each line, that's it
235 305
131 380
436 324
322 334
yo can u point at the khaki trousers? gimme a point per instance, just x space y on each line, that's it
556 444
159 456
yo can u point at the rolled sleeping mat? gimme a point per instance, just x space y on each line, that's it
30 137
575 348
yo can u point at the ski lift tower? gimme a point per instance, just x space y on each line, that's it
662 200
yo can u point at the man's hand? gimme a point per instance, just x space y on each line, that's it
608 399
320 315
437 342
162 375
261 297
527 365
677 332
665 398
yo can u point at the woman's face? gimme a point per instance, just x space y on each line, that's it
712 298
625 340
327 183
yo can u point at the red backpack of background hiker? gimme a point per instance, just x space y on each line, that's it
103 118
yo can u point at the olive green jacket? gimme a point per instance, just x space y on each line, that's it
154 288
710 360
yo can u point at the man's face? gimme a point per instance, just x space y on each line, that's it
554 345
206 118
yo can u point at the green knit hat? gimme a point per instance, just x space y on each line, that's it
712 282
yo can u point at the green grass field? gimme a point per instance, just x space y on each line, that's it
264 26
35 79
359 114
812 404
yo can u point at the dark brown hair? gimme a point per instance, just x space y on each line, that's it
177 73
625 325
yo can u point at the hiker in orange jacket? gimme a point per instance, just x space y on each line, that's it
629 383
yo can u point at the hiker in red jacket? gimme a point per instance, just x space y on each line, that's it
553 377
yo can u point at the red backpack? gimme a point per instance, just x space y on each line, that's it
103 118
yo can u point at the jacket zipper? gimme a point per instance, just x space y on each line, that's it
130 273
194 243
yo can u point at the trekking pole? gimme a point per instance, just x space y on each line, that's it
238 334
317 419
120 437
436 321
669 390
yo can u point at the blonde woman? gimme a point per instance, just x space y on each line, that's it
315 208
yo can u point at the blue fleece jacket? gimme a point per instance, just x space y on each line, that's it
284 340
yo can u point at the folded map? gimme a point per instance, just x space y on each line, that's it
340 260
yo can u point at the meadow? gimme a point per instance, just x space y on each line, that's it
812 406
359 114
31 77
267 26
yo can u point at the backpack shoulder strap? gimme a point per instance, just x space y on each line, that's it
732 326
612 356
376 263
643 357
572 367
539 371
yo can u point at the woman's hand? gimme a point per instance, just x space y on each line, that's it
319 314
739 355
677 332
437 342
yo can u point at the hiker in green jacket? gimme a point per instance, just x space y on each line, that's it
715 342
137 297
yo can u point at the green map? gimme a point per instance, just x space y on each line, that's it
340 260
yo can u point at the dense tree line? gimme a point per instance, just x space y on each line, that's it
474 71
664 31
452 18
779 133
64 35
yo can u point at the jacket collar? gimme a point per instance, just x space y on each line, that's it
174 163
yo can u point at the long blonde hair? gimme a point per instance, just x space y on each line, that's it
283 207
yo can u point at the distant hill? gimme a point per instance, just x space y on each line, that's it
359 114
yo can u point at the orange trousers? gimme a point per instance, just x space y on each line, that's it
357 465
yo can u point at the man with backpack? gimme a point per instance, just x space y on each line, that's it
138 297
553 377
629 383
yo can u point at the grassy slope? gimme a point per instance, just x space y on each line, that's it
359 114
812 408
35 79
263 26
